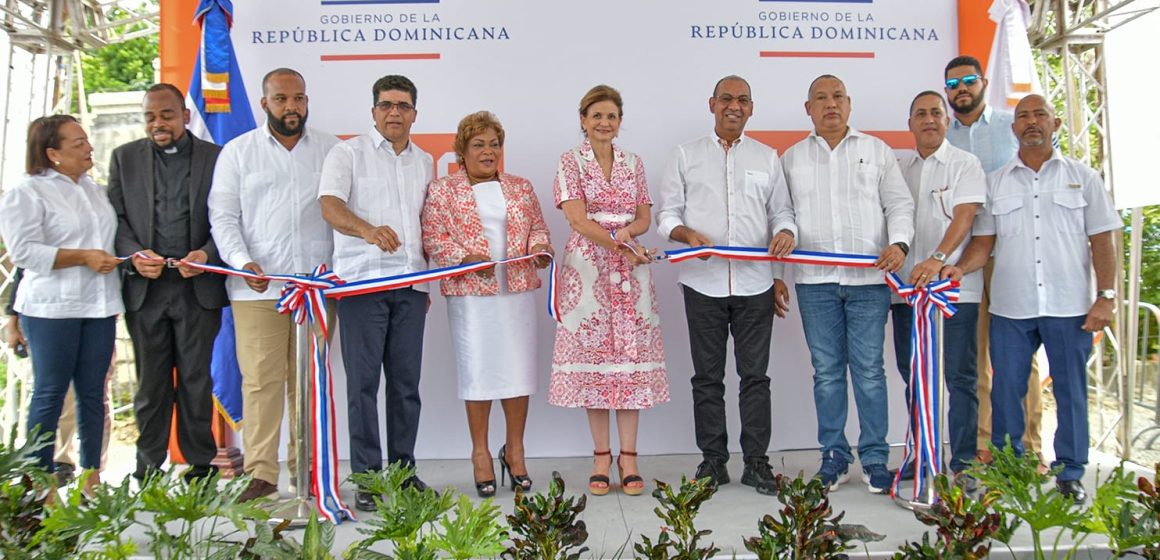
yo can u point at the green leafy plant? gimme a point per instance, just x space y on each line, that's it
1149 500
805 527
679 538
1124 511
965 528
418 524
547 527
196 510
97 522
268 543
1025 496
474 531
23 489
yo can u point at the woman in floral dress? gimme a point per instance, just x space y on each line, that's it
608 353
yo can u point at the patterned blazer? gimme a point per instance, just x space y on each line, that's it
452 230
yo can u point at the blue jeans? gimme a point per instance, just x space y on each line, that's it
64 351
960 372
1013 346
846 326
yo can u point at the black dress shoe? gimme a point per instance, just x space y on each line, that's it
759 475
417 484
199 472
714 470
1072 489
365 501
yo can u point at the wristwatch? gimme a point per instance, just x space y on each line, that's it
939 256
904 246
1108 294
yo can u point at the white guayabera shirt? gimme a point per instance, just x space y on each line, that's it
945 179
851 199
382 188
263 207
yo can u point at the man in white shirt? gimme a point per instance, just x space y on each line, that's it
372 193
1048 221
986 132
727 189
849 197
265 216
948 186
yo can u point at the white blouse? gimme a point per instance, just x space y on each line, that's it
48 212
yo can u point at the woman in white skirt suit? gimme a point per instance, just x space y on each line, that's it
483 214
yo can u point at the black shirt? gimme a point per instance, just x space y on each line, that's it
171 180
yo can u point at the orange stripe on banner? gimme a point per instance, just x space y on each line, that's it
976 30
179 41
781 140
816 54
1021 88
386 56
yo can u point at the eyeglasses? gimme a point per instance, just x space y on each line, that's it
387 106
942 195
728 100
968 80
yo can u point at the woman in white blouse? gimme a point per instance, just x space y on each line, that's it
59 226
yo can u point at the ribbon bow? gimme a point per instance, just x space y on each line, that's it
304 297
923 433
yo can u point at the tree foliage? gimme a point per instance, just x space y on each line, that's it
126 66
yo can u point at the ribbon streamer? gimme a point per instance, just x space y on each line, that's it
924 429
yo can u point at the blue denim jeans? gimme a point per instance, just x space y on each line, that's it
960 372
845 326
1013 346
64 351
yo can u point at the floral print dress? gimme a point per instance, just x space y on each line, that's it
608 352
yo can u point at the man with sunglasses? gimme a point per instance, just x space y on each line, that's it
372 193
948 186
986 132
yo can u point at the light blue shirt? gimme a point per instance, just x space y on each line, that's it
990 138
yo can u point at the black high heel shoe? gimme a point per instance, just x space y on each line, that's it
485 489
518 481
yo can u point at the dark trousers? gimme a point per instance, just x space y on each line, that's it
960 372
711 320
1013 346
382 333
65 351
173 331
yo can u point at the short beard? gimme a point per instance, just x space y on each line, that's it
976 100
280 127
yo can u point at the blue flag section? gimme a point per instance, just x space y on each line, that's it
218 97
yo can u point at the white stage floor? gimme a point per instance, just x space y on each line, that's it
732 514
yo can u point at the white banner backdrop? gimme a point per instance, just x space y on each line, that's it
529 62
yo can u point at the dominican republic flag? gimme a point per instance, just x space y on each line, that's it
220 111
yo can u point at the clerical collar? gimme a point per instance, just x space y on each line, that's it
180 146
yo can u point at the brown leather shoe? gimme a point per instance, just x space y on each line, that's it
984 456
257 488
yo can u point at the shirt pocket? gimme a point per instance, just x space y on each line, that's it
866 178
1008 215
370 200
1068 208
757 185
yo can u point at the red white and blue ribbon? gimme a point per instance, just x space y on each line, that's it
304 298
762 254
305 301
924 429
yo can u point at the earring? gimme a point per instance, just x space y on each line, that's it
56 163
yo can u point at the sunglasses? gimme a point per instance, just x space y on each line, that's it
968 81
